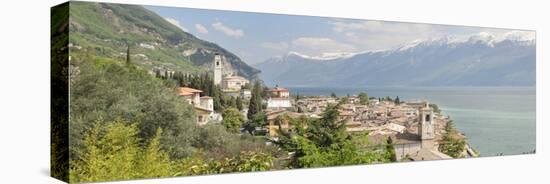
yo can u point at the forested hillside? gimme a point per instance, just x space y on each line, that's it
108 29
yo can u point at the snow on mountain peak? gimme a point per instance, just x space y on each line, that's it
324 56
483 37
519 35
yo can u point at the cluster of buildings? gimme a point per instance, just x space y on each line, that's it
231 83
413 126
204 105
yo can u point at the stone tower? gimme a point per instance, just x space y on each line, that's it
426 123
218 60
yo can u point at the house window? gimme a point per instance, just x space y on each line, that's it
427 117
217 63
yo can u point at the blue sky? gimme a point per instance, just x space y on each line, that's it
255 37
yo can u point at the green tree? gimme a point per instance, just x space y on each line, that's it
255 115
108 89
258 120
390 150
128 60
255 104
327 130
154 162
452 143
435 108
232 119
239 103
111 156
397 101
363 98
333 95
325 142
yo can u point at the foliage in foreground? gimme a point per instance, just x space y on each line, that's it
108 89
114 153
325 142
232 120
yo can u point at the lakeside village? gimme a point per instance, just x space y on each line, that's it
417 129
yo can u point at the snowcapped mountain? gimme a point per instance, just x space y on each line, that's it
479 60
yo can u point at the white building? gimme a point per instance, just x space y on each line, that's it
204 106
234 82
278 98
246 93
278 103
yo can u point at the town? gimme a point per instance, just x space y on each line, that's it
416 128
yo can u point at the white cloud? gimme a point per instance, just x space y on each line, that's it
176 23
279 46
380 27
380 35
320 45
235 33
201 29
519 35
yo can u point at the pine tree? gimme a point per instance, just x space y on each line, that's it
328 131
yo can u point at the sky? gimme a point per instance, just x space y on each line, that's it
256 37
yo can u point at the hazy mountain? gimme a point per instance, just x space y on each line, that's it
155 43
480 60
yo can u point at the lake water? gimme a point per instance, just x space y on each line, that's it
495 119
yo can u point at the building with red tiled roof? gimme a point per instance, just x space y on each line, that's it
204 106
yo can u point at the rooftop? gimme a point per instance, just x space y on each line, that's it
184 91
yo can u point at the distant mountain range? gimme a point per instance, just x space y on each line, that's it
480 60
105 29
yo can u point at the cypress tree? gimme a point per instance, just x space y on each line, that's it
255 104
128 61
397 101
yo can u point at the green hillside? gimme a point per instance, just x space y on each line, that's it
107 29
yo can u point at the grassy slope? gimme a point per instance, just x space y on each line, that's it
105 28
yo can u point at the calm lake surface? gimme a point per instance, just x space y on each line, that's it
495 119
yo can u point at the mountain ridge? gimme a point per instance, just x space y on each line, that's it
474 61
107 29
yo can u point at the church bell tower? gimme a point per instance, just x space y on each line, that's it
218 60
426 124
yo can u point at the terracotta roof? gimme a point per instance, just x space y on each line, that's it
184 91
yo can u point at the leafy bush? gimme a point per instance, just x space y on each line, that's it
232 120
113 153
325 142
106 89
